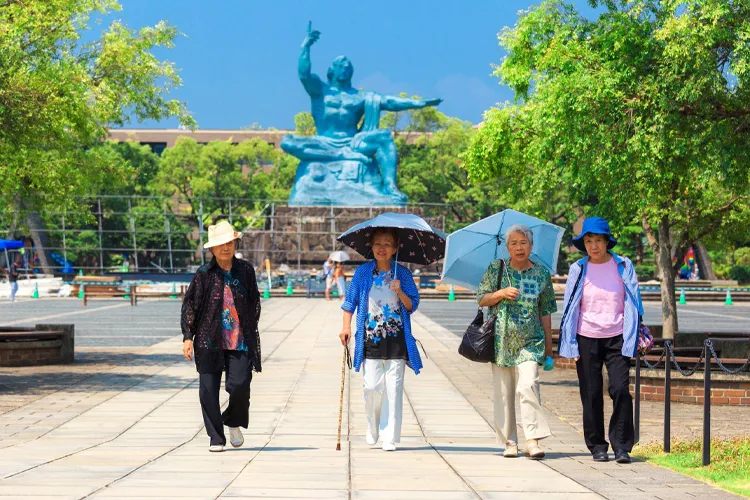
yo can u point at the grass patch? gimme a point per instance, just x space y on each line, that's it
730 461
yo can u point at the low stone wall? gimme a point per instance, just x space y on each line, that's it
733 390
35 348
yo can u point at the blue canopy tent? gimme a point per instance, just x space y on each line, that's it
10 245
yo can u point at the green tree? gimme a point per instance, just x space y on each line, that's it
304 124
643 114
59 94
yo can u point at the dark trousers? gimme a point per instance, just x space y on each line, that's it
593 354
237 384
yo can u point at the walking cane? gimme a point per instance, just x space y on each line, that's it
346 361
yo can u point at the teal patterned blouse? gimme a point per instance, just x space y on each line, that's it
519 335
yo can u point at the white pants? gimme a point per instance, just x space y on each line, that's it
523 379
384 414
341 284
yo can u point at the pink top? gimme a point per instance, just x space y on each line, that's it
602 302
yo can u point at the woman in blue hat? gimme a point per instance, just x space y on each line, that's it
599 327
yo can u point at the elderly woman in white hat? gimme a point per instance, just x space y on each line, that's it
220 317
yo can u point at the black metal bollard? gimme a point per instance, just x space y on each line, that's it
667 395
637 407
707 403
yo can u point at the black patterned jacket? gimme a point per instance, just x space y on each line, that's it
202 309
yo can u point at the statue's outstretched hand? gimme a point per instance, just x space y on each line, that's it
432 102
312 36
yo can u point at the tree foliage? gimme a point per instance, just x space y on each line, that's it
643 114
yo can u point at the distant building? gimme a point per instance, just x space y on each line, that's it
160 139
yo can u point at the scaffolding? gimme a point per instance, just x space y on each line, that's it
148 234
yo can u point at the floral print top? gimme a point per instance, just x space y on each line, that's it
519 336
230 324
384 330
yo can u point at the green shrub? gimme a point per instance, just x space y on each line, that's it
740 273
742 256
645 271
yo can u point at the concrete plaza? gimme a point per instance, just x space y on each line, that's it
124 421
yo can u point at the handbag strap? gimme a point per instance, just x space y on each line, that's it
232 281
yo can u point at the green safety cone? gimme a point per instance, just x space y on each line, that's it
127 292
682 296
35 295
289 288
452 294
80 272
174 292
267 293
80 291
728 300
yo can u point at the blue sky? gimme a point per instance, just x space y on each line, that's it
238 58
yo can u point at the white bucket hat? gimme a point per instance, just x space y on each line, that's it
220 233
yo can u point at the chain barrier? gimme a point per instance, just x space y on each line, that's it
658 361
742 368
684 373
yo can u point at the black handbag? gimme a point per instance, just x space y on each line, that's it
478 342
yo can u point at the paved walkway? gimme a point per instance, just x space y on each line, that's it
134 430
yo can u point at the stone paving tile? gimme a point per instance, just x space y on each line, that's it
472 380
134 430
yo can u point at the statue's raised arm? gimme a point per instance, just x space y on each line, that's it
312 82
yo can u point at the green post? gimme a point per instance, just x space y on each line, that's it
35 294
80 291
127 292
174 292
682 296
267 293
452 294
728 300
289 288
80 272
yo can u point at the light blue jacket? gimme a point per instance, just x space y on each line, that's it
568 347
357 298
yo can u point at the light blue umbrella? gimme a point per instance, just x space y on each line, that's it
470 250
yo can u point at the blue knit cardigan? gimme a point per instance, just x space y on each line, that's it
357 296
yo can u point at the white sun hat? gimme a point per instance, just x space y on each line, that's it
220 233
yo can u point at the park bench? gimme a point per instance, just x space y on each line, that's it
40 345
137 292
94 287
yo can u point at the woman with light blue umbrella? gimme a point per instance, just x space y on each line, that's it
517 287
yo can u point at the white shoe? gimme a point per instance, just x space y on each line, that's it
511 450
236 437
215 448
370 439
388 446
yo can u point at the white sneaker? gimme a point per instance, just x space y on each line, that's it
511 450
236 437
388 446
370 439
215 448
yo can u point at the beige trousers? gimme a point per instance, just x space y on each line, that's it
523 379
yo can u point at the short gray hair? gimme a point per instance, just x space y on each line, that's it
519 228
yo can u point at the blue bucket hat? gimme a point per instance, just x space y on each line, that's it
594 225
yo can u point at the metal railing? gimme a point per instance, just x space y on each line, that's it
707 357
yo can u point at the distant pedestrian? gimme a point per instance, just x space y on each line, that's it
328 275
383 299
524 302
220 317
338 275
600 327
13 277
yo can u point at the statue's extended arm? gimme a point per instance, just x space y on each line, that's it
312 82
394 103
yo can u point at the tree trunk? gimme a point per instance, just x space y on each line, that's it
663 257
41 241
703 260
